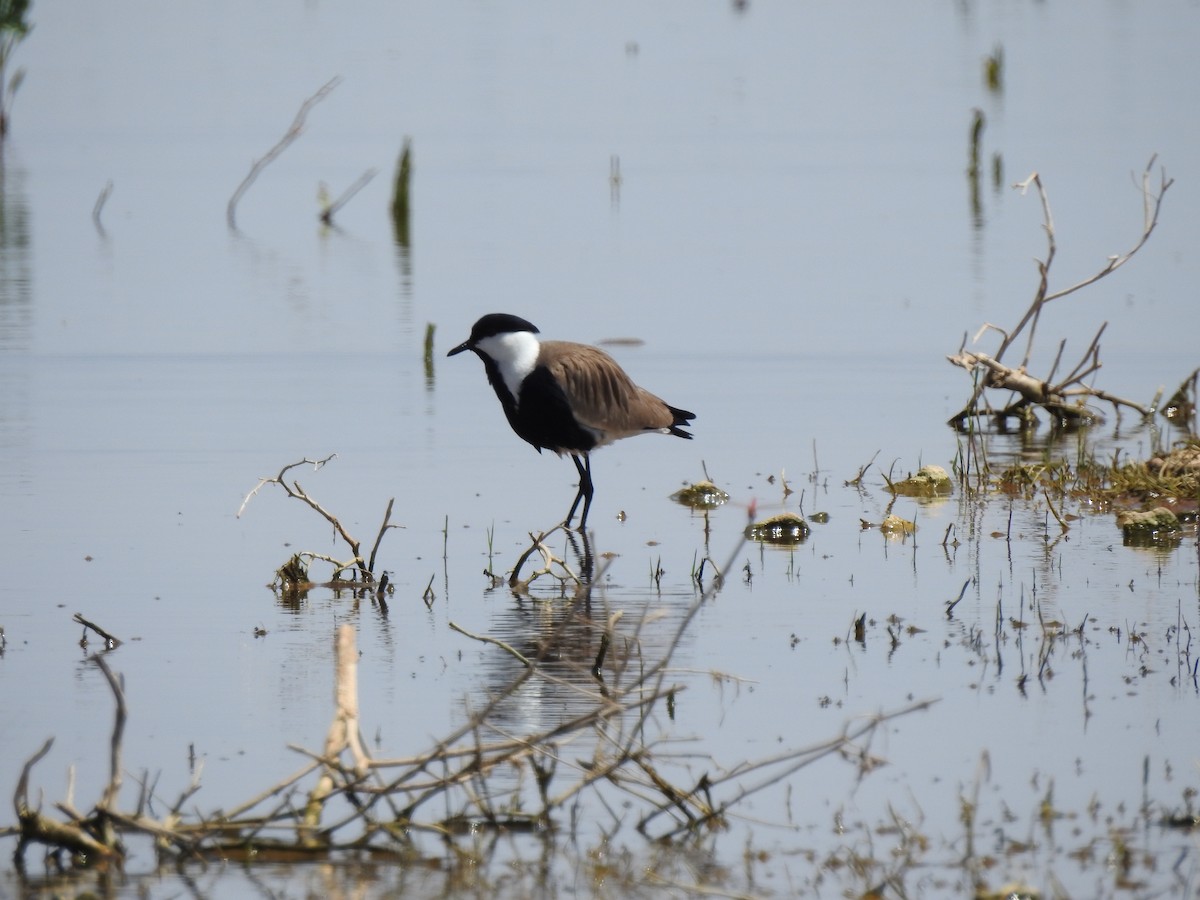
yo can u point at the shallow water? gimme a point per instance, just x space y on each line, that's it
794 243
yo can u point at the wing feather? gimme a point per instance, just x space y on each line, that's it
603 397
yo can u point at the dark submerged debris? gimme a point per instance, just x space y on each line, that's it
786 529
993 70
292 576
1181 406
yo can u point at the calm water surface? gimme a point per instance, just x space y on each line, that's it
793 242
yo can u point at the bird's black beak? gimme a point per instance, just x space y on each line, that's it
465 345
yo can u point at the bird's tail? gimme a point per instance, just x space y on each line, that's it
681 417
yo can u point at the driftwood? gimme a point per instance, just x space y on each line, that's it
1064 398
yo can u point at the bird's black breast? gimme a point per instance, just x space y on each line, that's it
542 416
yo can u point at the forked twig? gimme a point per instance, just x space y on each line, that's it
1040 392
365 568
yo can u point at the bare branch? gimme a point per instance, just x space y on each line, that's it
109 800
292 133
1042 392
111 641
317 465
384 526
507 648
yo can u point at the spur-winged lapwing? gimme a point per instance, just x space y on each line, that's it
565 397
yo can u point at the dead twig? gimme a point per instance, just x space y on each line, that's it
364 568
117 685
296 129
1043 392
327 213
111 642
105 193
550 562
506 647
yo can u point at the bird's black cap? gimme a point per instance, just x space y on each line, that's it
491 325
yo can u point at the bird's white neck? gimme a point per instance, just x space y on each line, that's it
515 355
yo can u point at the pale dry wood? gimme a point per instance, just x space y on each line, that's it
364 568
1045 392
503 645
343 730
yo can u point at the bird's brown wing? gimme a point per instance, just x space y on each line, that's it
602 397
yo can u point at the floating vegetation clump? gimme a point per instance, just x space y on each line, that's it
930 481
895 526
1181 462
701 495
1173 475
1151 527
786 529
293 574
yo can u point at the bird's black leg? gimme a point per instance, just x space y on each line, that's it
584 467
583 558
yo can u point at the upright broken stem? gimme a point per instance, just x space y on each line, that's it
343 730
115 682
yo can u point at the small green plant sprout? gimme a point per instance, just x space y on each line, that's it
400 208
993 70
